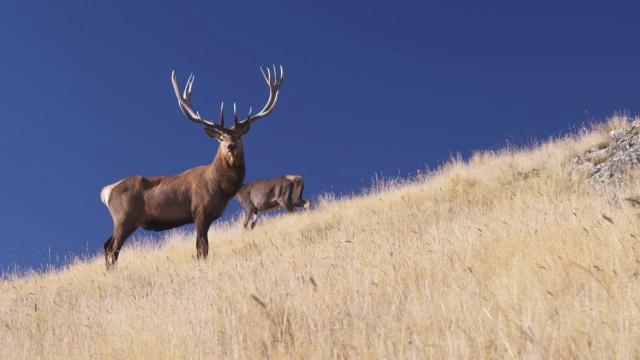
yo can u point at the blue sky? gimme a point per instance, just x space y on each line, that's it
371 87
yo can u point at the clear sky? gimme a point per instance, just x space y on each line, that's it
371 87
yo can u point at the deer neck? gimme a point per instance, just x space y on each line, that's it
227 171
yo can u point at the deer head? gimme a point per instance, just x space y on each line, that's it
230 138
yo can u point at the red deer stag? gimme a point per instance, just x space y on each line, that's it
198 195
271 194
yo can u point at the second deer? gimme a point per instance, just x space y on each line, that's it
271 194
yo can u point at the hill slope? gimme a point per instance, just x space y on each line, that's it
506 255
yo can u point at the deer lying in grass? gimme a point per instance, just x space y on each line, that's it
271 194
198 195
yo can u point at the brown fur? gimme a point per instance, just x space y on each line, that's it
199 195
271 194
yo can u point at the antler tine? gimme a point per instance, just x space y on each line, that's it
222 114
235 115
275 74
189 87
267 79
184 101
185 93
274 89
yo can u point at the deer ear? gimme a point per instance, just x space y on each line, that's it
214 134
243 128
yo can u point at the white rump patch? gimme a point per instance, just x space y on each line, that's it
106 192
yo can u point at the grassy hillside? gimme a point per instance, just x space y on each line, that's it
506 255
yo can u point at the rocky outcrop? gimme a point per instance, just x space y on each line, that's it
609 164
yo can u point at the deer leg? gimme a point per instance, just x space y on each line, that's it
247 217
255 220
116 241
108 256
202 239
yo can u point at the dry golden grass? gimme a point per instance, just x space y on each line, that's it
506 255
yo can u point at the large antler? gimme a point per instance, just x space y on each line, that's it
274 89
184 101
